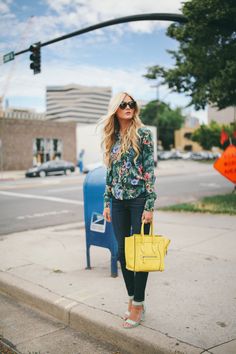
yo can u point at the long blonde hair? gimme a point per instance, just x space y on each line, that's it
111 126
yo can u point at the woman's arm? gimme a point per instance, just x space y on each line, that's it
107 196
148 170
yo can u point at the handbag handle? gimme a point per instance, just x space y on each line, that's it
151 233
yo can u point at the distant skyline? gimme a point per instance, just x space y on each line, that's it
116 56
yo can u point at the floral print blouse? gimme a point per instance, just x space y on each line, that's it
126 178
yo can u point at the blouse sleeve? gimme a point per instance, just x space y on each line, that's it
148 170
108 194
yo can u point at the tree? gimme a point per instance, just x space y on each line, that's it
209 135
166 120
205 63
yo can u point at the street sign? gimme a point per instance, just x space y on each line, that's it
8 57
226 164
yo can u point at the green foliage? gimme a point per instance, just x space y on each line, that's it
205 63
166 120
209 135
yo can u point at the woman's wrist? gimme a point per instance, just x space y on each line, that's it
107 204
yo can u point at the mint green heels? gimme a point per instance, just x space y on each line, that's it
126 316
132 324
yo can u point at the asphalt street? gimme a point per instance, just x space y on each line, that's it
35 203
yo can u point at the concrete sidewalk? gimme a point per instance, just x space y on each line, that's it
190 307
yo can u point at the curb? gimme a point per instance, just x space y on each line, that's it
103 325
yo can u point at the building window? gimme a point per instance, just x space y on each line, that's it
188 135
46 150
188 148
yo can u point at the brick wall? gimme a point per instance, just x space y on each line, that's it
17 136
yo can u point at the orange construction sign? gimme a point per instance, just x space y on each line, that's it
226 164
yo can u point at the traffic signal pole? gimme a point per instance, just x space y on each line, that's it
134 18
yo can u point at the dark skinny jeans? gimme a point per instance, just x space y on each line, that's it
126 220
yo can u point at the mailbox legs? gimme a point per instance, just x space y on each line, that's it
88 257
114 271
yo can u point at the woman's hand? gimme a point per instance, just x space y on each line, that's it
147 217
107 214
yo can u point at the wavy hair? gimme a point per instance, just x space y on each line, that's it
111 127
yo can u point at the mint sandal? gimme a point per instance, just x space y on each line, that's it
126 316
131 323
127 313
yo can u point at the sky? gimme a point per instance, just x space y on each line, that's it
115 56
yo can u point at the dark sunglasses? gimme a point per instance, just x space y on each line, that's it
131 104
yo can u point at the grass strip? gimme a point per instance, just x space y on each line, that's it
218 204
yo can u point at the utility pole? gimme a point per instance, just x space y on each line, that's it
157 85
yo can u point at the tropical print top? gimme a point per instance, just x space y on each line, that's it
126 178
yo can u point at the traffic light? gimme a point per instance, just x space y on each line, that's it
35 57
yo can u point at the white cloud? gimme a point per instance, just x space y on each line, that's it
82 13
201 115
64 16
5 6
24 84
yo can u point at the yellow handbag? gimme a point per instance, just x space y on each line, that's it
145 253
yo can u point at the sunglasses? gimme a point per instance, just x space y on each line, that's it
131 104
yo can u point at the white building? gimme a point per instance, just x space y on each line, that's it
224 116
19 113
82 104
22 113
191 122
89 137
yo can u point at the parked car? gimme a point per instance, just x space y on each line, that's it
164 155
204 155
176 155
197 156
92 166
186 155
54 167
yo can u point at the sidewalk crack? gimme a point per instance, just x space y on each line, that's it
218 345
17 267
43 335
171 337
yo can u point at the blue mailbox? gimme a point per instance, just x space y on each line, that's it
98 231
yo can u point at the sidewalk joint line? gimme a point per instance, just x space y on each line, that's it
45 334
219 345
171 337
19 266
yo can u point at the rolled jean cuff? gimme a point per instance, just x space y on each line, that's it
137 303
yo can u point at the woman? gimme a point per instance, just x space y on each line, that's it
129 193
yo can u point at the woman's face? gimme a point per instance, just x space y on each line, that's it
127 113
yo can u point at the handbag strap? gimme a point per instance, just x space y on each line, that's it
151 230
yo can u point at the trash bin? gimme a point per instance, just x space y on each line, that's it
98 231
